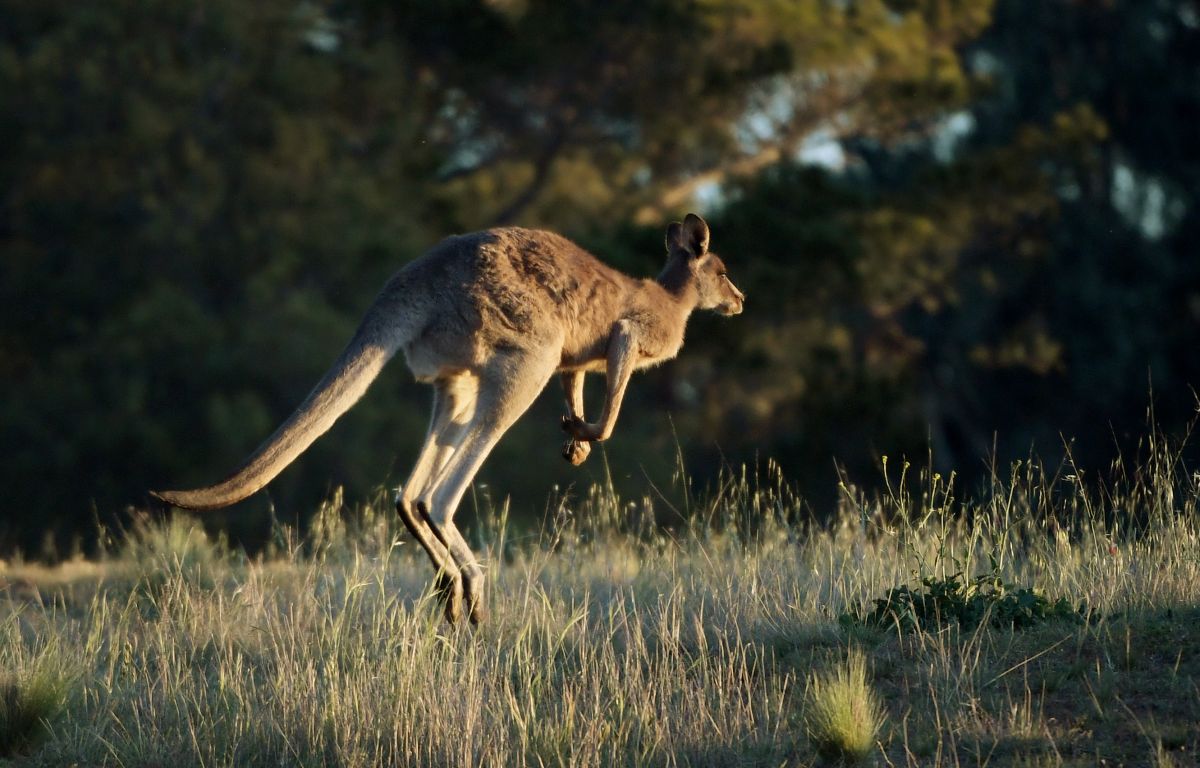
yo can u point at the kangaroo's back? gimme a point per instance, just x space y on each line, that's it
504 288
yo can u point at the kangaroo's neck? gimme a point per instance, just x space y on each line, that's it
677 281
663 308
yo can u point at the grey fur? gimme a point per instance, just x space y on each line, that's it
487 319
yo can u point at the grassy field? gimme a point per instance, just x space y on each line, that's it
1049 620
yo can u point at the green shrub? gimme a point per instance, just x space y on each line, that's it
967 603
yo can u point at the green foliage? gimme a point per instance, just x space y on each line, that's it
198 205
967 603
843 715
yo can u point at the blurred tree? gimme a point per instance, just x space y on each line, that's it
579 114
1034 283
198 201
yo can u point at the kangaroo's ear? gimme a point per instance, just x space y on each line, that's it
695 235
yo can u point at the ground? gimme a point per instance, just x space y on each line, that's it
615 641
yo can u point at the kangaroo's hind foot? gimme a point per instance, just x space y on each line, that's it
448 584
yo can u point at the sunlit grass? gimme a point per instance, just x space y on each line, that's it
843 715
614 642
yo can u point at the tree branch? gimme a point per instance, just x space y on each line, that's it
541 174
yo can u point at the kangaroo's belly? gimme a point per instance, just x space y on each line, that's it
596 365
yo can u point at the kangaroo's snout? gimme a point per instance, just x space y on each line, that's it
735 305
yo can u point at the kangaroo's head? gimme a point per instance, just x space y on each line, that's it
687 249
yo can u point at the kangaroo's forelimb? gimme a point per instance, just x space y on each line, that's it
622 359
574 451
572 382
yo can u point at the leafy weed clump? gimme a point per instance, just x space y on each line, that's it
966 602
843 714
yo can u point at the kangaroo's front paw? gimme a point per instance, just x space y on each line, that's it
578 428
576 451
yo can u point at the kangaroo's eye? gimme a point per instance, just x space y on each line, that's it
722 274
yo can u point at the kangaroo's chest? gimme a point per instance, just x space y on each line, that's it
654 343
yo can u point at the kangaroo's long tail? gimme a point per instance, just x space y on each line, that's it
340 388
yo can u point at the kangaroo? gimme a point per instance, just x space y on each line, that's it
488 318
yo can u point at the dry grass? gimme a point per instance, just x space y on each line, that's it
616 643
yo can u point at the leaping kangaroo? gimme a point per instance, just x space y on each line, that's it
487 319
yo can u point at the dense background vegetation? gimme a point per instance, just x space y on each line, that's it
962 226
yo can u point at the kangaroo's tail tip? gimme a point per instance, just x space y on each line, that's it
187 500
174 498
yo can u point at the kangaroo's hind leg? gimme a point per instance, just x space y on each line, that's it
508 385
451 403
464 559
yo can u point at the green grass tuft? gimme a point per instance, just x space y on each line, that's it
29 701
843 715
